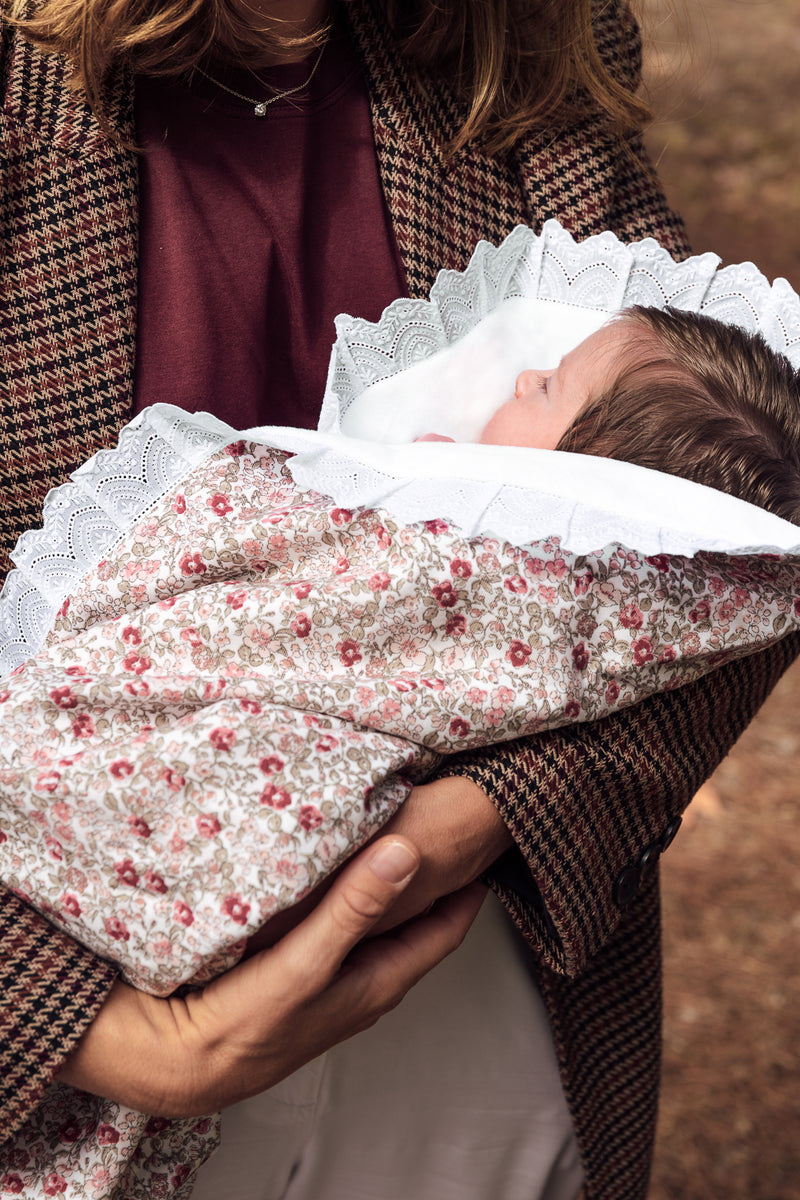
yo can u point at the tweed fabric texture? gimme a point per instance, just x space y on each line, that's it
67 286
581 803
51 988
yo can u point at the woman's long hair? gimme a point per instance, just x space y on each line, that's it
515 64
521 64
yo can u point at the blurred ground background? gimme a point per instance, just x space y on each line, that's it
724 77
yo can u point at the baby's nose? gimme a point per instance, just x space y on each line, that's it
526 380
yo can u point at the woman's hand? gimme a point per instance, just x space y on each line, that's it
281 1008
460 833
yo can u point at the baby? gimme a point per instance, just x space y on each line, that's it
674 391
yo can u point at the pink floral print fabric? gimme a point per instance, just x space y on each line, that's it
246 689
80 1147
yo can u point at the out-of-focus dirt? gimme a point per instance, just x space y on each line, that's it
725 79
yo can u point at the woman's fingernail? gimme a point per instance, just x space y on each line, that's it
394 862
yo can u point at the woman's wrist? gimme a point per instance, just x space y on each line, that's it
141 1051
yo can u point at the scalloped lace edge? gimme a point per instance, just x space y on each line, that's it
87 516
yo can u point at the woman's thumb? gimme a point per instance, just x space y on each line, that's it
364 892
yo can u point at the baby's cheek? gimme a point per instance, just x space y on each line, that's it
511 425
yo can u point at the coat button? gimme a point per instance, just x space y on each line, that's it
670 831
649 859
627 885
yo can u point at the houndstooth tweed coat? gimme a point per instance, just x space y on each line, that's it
591 807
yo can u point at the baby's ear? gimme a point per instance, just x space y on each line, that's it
433 437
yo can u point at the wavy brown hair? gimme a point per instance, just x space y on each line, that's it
704 400
515 64
522 64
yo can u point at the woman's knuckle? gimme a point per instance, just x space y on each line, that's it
358 906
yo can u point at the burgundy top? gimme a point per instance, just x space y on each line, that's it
255 233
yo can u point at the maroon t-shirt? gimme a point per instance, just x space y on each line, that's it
255 233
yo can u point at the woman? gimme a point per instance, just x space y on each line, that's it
574 823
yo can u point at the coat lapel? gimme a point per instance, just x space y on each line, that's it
68 227
440 208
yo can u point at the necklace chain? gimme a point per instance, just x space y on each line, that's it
260 106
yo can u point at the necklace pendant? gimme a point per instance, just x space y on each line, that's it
261 109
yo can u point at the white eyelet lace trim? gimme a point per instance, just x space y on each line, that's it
599 273
86 517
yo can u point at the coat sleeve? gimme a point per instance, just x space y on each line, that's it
50 990
50 986
593 806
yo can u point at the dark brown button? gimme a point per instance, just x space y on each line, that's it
649 858
627 885
670 831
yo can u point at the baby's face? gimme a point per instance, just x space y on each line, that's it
545 403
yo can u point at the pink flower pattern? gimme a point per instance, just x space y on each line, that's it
266 704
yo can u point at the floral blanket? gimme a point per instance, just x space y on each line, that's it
245 690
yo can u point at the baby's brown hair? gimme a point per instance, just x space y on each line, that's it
704 400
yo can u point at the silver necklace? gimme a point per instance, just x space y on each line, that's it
260 106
